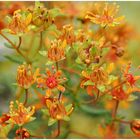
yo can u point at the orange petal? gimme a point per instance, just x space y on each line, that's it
90 90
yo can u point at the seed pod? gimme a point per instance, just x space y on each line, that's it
119 52
135 126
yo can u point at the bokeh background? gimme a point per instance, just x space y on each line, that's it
82 122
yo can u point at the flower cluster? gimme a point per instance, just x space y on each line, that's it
64 51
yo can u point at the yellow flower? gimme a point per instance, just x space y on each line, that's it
105 15
19 114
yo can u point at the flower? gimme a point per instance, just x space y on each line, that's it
20 22
56 51
93 78
19 114
119 93
57 110
135 126
25 76
130 78
24 132
105 15
97 79
107 131
3 119
90 51
51 80
68 34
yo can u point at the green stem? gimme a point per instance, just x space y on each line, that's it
26 97
20 132
20 40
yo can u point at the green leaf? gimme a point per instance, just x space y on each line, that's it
68 107
43 53
132 97
78 60
93 50
45 111
112 78
48 63
14 59
89 82
101 88
32 118
8 45
66 118
51 121
93 111
14 84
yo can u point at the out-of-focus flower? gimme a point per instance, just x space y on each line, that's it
68 34
135 126
2 25
56 51
15 6
57 110
20 22
107 132
119 94
41 16
3 119
19 114
52 80
130 78
118 38
25 76
105 15
24 132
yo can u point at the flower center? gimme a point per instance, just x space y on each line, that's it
51 82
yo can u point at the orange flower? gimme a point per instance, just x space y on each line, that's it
130 78
135 126
105 15
25 76
19 114
51 80
92 79
24 132
119 94
68 34
107 132
20 23
56 51
3 119
57 109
